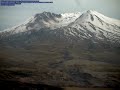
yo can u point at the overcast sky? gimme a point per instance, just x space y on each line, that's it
10 16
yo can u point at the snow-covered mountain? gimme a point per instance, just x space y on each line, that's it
92 24
89 25
44 20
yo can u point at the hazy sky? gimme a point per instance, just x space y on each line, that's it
10 16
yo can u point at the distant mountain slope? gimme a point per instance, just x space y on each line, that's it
88 26
44 20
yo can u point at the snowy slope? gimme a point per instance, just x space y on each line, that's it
92 24
44 20
88 25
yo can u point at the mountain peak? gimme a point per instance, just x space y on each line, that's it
94 17
86 16
47 15
89 11
54 21
92 12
